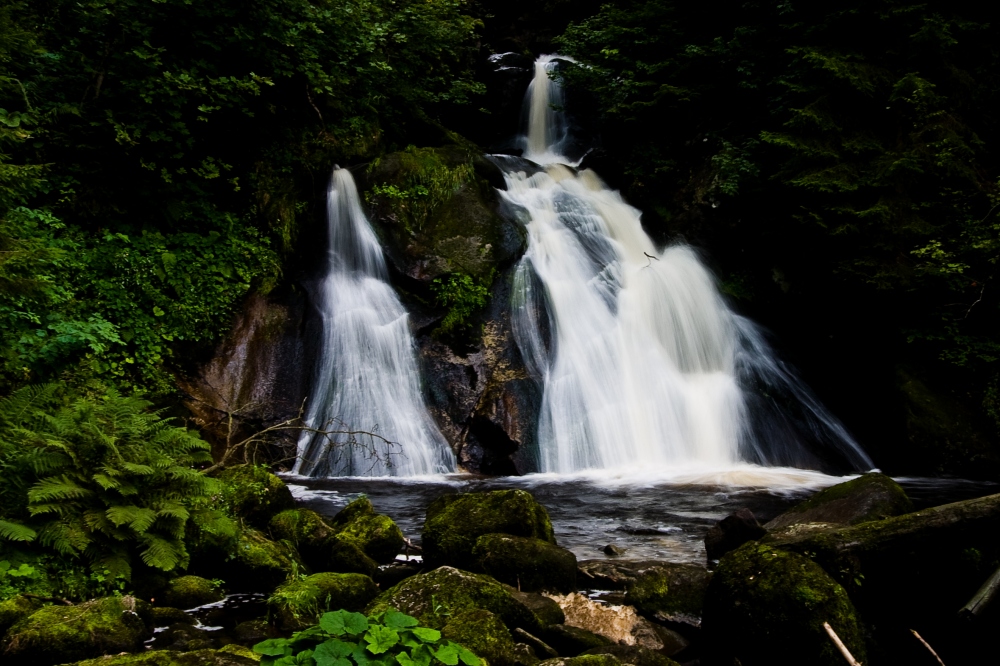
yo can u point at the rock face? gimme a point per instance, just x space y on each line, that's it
189 592
455 522
767 606
298 604
529 564
435 597
732 532
871 496
61 634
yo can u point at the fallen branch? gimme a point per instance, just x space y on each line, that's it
927 645
982 598
848 657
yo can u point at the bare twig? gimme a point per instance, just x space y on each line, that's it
978 300
848 657
649 259
927 645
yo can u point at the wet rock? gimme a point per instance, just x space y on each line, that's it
230 655
251 632
258 564
435 597
526 563
254 494
189 592
619 624
732 532
767 606
61 634
669 591
397 572
614 551
485 634
455 522
570 641
375 534
633 654
871 496
321 547
297 604
184 638
545 609
14 610
164 616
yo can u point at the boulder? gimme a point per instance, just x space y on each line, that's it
164 616
230 655
871 496
61 634
297 604
189 592
527 563
732 532
259 564
435 597
768 606
545 609
321 548
633 654
14 610
619 624
254 494
583 660
184 637
251 632
669 592
455 522
570 641
484 634
375 534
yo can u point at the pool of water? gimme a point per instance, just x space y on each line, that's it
660 515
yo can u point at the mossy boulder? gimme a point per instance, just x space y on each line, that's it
527 563
164 616
483 633
259 564
767 606
189 592
184 638
633 654
435 597
583 660
570 641
321 548
375 534
14 610
356 508
298 604
251 632
546 609
871 496
669 591
455 522
60 634
227 656
255 494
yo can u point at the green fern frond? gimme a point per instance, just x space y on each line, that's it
160 553
57 488
106 482
135 468
138 518
16 531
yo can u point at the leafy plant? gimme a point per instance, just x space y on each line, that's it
463 296
343 638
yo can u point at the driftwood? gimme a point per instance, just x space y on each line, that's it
982 598
927 645
848 657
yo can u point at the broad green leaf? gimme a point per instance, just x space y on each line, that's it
273 647
448 654
380 639
355 623
332 653
467 657
305 658
426 635
396 620
362 657
404 660
333 623
422 655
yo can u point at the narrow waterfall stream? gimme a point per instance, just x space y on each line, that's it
367 379
643 364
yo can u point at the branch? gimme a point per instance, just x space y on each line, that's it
848 657
927 645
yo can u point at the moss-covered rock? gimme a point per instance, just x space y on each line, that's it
485 634
189 592
455 522
227 656
767 606
184 637
570 641
356 508
633 654
583 660
60 634
14 610
164 616
377 535
298 604
669 591
251 632
547 610
319 544
435 597
258 564
254 494
871 496
529 564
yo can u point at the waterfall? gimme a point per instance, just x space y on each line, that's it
367 379
642 363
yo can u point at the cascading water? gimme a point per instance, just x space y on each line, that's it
641 361
367 378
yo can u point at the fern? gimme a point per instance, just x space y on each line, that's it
16 531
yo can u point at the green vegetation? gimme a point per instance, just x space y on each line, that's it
342 637
463 297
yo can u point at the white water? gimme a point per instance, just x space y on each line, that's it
643 364
367 379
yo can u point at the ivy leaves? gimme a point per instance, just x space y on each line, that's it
343 638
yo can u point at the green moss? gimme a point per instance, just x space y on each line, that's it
583 660
435 597
377 535
455 522
298 604
670 589
362 506
323 549
14 610
252 493
871 496
227 656
632 654
164 616
300 527
259 564
526 563
189 592
60 634
483 633
768 606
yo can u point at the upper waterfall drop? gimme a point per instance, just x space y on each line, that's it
641 361
367 379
